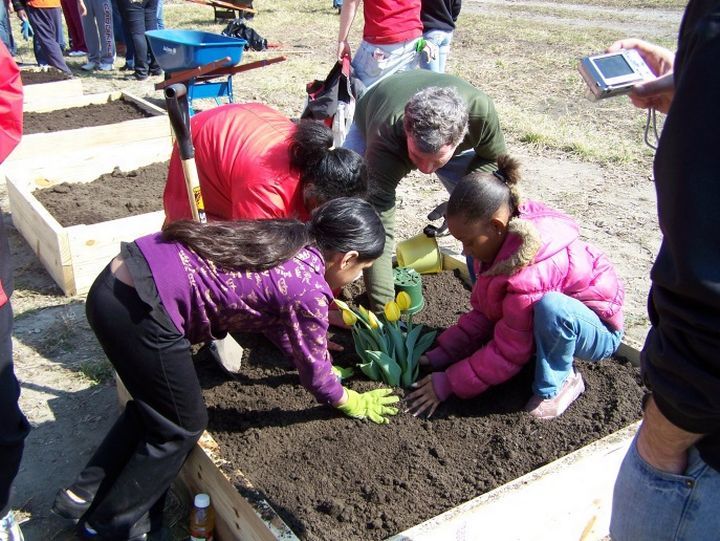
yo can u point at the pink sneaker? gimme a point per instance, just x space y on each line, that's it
549 408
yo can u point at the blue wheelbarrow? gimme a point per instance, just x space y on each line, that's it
197 59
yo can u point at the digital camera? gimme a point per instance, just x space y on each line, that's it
612 74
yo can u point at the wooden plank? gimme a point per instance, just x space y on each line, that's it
58 143
74 256
38 94
68 102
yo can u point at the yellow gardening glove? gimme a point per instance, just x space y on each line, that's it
372 405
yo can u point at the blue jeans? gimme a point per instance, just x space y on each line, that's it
139 17
651 505
375 62
442 39
565 328
6 29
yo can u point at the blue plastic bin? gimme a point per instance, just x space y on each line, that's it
177 50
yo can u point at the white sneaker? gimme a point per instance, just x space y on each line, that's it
549 408
105 67
9 529
89 66
76 53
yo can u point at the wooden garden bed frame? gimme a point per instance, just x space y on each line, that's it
37 96
568 499
41 146
75 255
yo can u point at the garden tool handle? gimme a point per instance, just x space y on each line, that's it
179 114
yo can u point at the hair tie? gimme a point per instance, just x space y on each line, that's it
500 176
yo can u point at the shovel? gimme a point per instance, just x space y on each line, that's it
228 350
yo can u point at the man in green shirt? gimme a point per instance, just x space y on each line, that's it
433 122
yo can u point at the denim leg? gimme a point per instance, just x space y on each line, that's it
373 63
442 40
355 140
565 328
57 15
649 504
160 15
6 29
151 22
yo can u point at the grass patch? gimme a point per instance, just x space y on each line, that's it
98 371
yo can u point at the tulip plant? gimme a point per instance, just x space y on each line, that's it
389 352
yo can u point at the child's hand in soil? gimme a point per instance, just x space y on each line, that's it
423 398
373 405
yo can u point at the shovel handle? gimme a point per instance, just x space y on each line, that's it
179 115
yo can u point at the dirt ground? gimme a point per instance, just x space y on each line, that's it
67 390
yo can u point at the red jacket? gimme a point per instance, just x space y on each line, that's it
11 96
243 161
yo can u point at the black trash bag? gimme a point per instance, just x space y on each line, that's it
238 29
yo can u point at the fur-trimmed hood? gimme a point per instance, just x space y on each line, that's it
538 233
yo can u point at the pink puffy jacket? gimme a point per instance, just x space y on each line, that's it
541 253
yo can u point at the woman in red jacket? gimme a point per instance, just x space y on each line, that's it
255 163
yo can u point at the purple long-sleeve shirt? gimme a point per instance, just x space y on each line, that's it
288 303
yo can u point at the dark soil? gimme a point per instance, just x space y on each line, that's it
111 196
82 117
39 77
330 477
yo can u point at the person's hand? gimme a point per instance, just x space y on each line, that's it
659 59
343 49
662 444
342 373
82 8
658 93
423 398
373 405
26 30
335 319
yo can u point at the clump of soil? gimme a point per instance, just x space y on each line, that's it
82 117
43 76
111 196
330 477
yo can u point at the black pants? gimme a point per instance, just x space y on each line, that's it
13 424
139 17
143 452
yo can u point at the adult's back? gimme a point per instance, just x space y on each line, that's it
243 160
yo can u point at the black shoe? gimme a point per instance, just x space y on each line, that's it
136 77
86 533
65 507
126 67
156 72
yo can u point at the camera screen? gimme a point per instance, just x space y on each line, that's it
613 66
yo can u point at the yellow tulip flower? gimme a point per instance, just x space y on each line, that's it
403 301
363 312
349 318
392 311
373 320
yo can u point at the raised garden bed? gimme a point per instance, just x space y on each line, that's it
329 477
78 131
74 255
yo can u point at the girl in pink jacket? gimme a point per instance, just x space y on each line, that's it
540 291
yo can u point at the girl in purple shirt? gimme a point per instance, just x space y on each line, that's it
196 282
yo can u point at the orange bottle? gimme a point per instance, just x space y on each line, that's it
202 519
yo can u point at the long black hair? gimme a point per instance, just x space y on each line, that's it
335 172
340 225
478 195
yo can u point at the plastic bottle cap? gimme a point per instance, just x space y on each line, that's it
202 500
